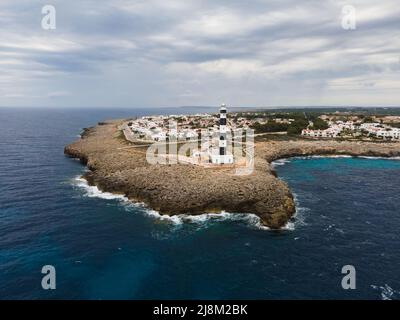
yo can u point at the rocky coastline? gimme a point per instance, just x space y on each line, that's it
118 167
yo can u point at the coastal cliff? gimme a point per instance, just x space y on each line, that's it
115 166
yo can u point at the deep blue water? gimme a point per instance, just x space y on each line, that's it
348 214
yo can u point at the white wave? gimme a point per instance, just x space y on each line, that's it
283 161
379 158
280 162
290 226
94 192
323 156
201 219
387 293
299 216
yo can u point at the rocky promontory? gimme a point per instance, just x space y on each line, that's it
118 166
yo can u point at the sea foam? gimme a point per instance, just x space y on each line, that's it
94 192
250 219
387 293
299 216
279 162
379 158
283 161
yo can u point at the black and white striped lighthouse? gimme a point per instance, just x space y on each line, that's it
222 131
220 153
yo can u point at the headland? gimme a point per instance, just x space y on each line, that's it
120 166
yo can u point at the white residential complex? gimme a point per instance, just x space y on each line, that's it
381 131
335 128
207 128
372 129
160 128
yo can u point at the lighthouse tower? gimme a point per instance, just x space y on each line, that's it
221 156
222 131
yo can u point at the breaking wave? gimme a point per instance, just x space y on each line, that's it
94 192
279 162
387 293
202 219
299 217
379 158
323 156
283 161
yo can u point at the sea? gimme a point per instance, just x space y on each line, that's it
105 247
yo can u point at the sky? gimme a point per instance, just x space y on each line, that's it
166 53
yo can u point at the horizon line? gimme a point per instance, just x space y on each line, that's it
207 107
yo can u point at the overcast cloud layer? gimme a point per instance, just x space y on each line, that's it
158 53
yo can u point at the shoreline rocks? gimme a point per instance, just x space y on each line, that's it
117 167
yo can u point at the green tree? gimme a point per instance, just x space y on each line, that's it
368 120
270 126
297 126
319 124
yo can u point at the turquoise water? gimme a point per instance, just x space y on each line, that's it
104 248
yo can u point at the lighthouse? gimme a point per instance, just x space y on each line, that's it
222 131
221 155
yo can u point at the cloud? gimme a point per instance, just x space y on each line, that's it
57 94
166 53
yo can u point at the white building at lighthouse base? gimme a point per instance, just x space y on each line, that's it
222 159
